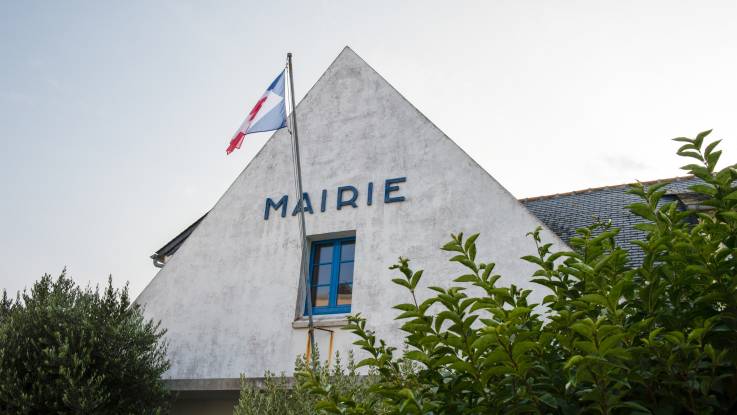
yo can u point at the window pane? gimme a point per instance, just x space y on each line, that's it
320 296
345 293
346 272
324 254
321 274
347 251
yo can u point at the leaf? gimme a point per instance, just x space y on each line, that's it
713 158
711 147
417 355
610 342
464 366
472 252
583 329
452 246
483 342
468 263
731 196
446 315
683 139
497 355
706 189
367 362
700 137
521 348
533 259
519 311
698 171
403 283
470 241
573 361
691 154
586 346
408 314
549 400
642 210
405 307
415 279
327 406
466 278
595 299
496 371
727 215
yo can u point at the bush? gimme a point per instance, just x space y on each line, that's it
65 350
609 338
279 396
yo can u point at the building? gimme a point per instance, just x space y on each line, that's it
381 181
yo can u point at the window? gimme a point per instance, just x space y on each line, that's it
331 276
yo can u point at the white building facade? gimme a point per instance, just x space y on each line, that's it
382 181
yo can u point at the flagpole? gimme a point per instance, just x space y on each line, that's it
300 196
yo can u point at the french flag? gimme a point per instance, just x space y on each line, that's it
269 113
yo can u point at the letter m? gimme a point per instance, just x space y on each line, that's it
271 205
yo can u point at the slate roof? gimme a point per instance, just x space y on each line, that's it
565 212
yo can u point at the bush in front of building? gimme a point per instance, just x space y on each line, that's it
68 350
659 338
278 395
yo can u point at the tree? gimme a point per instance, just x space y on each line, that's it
608 338
67 350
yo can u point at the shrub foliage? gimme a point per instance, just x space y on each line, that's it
660 337
65 350
278 395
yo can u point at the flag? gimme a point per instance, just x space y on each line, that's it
268 114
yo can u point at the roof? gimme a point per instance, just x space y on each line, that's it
562 213
162 254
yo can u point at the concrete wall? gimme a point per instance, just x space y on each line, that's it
230 295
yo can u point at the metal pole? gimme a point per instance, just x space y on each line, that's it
300 197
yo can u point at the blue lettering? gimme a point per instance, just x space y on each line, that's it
308 205
349 202
270 203
347 196
389 188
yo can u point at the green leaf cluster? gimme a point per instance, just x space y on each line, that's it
608 338
279 395
67 350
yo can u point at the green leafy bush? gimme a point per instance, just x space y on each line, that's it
657 338
65 350
278 395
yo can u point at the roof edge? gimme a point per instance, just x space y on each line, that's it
616 186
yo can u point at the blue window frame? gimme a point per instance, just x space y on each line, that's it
331 276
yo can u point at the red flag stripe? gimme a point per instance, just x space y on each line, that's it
257 108
235 142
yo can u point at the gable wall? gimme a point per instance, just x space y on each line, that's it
230 295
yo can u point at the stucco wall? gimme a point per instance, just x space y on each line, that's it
230 295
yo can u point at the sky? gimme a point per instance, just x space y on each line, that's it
115 116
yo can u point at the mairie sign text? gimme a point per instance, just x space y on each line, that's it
344 196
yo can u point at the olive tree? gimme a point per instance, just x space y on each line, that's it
68 350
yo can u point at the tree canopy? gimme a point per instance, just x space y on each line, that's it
660 337
67 350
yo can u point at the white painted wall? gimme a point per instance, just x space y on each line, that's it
229 296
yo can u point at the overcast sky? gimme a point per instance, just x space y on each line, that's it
114 116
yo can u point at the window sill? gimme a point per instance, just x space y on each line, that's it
322 321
